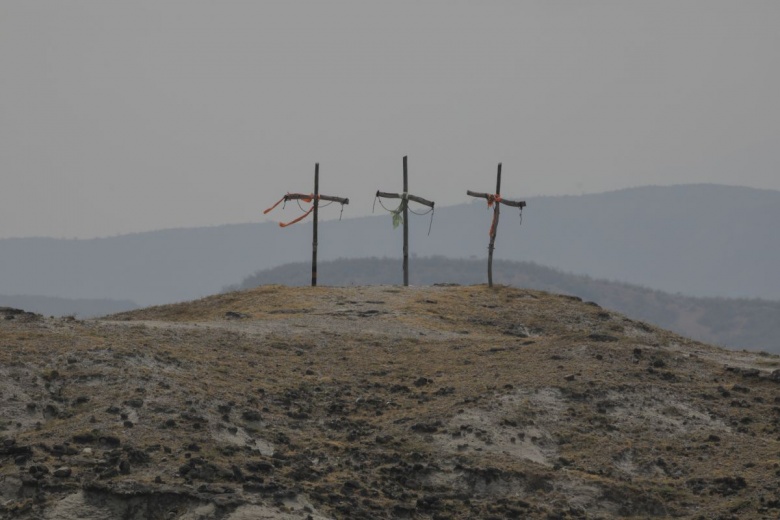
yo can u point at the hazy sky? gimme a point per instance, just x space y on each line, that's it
130 116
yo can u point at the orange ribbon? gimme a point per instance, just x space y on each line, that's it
272 207
282 224
493 198
305 198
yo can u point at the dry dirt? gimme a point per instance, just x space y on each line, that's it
381 402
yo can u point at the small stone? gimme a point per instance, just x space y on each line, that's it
63 472
570 377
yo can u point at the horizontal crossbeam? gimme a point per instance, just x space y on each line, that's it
415 198
489 196
302 196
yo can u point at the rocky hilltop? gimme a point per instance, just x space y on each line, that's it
381 402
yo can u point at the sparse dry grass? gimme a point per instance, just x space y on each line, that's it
457 402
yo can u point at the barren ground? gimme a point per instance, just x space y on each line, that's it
381 402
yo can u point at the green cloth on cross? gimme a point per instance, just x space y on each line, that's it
398 215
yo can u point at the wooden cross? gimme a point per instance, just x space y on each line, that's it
497 200
315 198
405 198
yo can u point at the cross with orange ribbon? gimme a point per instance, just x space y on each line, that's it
314 199
494 200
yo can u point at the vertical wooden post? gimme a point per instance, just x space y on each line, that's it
493 228
403 209
405 202
495 198
316 203
315 200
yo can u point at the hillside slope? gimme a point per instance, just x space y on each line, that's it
729 322
381 402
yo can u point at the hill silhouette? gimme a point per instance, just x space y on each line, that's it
699 240
381 402
734 323
53 306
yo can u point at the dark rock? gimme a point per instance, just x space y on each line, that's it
110 441
21 454
233 315
63 472
136 456
383 439
108 473
426 427
50 411
259 467
448 390
38 471
251 415
84 438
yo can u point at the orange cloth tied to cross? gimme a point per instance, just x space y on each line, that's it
304 198
490 200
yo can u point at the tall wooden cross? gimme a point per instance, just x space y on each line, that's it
315 199
403 212
495 200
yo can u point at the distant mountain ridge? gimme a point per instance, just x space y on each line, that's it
53 306
701 240
734 323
